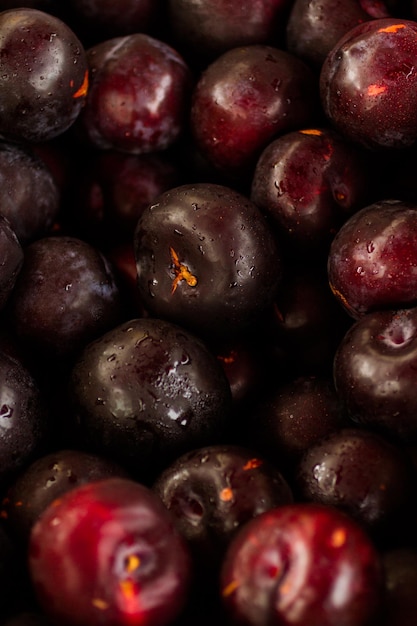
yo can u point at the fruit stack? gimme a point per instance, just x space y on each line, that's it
208 302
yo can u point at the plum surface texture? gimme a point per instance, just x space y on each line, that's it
208 312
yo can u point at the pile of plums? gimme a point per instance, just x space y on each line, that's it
208 305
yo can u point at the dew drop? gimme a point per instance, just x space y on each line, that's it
100 402
112 357
184 421
152 283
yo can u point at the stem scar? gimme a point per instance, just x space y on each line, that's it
181 272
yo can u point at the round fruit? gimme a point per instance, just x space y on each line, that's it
107 553
365 77
43 75
206 259
302 564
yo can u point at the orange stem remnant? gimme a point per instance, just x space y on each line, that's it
100 604
132 563
128 588
82 91
230 588
338 538
376 90
312 131
226 494
229 359
252 464
392 29
181 272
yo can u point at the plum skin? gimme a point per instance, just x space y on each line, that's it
375 372
223 241
372 261
147 391
363 79
109 549
302 564
35 45
246 97
133 111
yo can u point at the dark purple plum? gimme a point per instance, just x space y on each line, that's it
23 417
110 549
293 416
148 391
65 296
46 479
43 75
361 473
213 491
375 370
207 28
314 27
206 259
30 196
306 323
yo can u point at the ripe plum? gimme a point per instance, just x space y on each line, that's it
43 76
